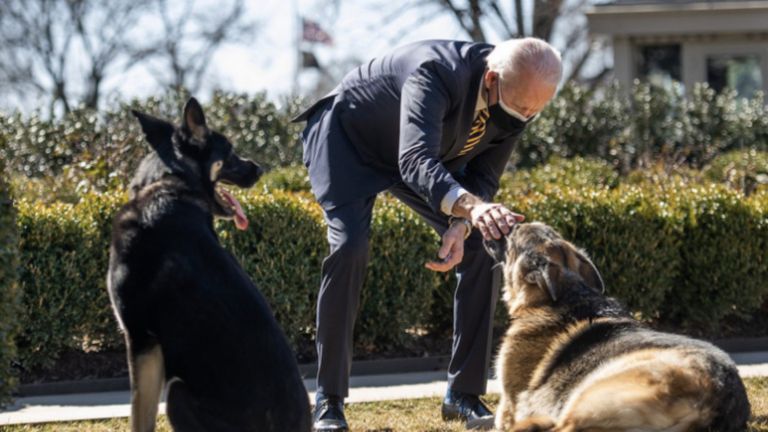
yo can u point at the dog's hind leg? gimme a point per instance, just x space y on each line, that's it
147 376
534 424
187 414
657 396
181 409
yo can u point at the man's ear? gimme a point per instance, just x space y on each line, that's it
194 120
158 132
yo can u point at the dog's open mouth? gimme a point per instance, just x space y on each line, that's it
231 205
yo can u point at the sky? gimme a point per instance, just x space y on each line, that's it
269 62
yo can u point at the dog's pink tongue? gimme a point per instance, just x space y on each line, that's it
241 222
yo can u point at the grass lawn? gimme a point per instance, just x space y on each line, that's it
401 415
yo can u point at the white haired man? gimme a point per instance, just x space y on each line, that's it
434 123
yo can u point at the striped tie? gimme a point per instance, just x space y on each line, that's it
477 131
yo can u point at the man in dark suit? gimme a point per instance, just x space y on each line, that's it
434 123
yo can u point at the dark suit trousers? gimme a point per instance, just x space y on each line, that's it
343 272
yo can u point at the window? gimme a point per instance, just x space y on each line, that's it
739 72
660 64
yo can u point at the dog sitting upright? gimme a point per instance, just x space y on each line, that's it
191 316
575 360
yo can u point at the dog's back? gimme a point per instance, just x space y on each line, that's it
613 374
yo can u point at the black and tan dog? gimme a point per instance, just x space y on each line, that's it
192 318
575 360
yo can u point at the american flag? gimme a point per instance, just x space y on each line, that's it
312 32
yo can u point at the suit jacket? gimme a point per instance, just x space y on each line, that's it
405 116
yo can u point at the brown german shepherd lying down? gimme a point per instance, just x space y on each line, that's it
575 360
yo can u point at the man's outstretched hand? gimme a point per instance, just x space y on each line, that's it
451 250
492 219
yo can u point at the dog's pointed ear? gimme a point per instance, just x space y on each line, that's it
589 273
194 121
546 275
158 132
497 249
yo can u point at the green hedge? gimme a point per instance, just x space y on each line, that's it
632 238
692 257
628 128
87 151
64 252
9 292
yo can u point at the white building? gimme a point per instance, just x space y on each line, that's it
724 43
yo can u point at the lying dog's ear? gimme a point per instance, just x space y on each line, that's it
497 249
545 274
577 262
589 273
158 132
194 121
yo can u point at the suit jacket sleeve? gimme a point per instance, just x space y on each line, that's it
482 173
427 95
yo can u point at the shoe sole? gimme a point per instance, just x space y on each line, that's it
483 423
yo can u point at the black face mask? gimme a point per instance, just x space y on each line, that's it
504 121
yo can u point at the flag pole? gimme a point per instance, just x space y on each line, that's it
297 44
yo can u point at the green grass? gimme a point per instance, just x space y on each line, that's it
390 416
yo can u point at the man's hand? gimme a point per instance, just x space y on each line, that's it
492 219
451 251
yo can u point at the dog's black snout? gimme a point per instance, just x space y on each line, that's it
259 170
497 249
242 172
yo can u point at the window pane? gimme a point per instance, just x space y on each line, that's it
741 72
660 64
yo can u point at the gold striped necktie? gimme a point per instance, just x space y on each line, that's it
477 131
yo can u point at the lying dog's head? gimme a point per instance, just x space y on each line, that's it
539 264
203 159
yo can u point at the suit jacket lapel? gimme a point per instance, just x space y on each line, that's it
466 115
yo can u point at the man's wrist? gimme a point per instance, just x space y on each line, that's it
463 206
459 220
450 198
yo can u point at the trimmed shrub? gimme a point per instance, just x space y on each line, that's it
631 128
724 258
9 291
685 253
294 178
576 173
64 255
88 151
626 232
742 170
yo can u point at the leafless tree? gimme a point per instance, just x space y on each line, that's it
561 22
63 49
190 37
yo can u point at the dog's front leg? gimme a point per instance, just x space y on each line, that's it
147 376
505 414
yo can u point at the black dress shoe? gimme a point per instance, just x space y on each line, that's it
468 408
329 415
